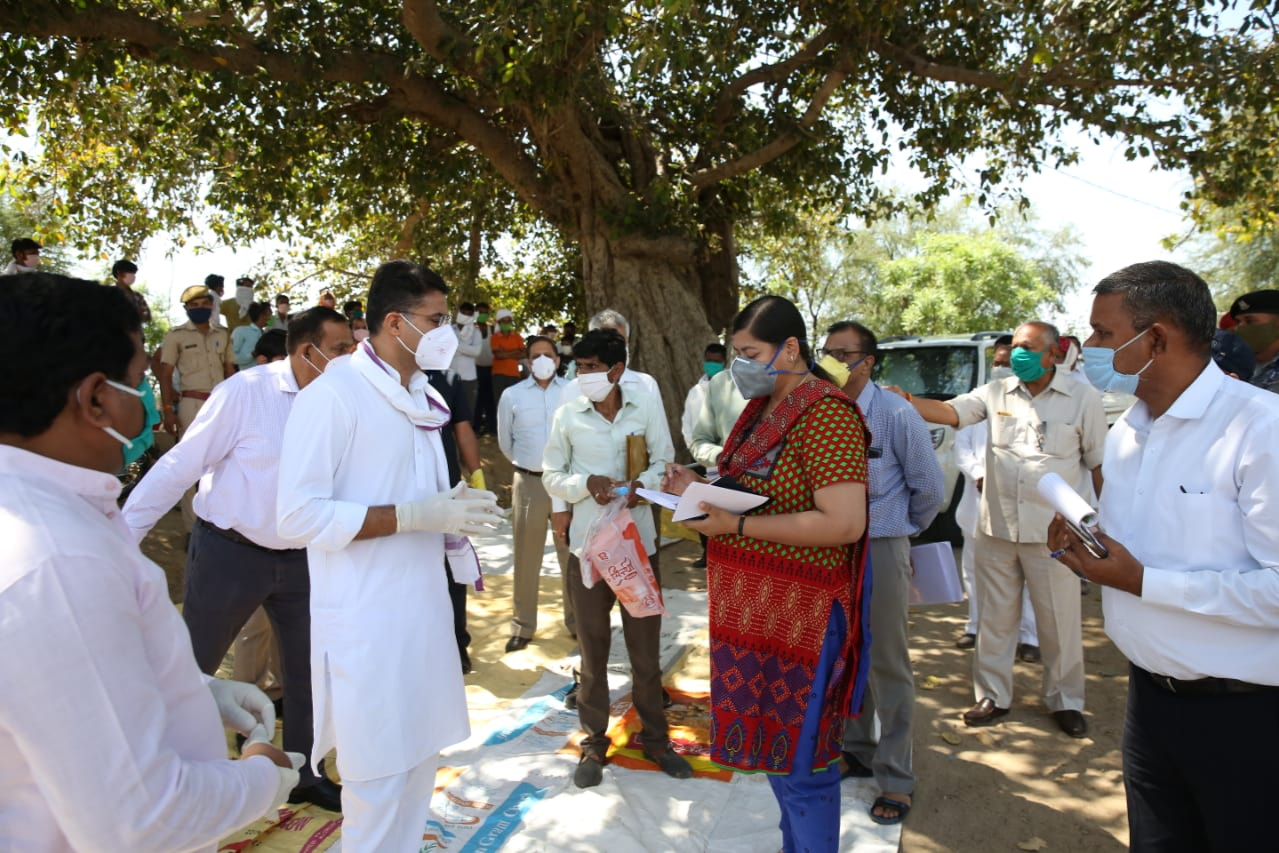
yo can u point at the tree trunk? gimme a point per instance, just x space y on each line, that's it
656 283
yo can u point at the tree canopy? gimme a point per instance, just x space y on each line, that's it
913 275
643 132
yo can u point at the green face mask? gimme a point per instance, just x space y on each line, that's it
505 327
481 318
1258 336
1027 364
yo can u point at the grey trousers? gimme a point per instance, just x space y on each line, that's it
1054 593
225 582
891 693
530 521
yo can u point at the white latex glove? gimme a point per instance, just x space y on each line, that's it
460 510
287 781
243 707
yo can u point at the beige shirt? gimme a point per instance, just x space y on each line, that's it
200 359
1062 430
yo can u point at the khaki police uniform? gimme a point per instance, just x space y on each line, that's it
201 362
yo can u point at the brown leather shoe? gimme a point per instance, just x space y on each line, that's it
1072 723
983 713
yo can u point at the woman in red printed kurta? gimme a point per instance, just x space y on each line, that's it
786 583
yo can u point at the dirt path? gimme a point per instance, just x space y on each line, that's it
1018 782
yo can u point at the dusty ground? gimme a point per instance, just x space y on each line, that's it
1018 785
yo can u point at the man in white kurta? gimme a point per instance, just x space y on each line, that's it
363 483
110 737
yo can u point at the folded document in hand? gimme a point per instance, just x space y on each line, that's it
687 506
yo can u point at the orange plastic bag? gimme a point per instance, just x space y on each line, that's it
615 552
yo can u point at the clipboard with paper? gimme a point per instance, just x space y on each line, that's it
724 493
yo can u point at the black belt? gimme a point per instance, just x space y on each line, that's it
1205 686
241 539
527 471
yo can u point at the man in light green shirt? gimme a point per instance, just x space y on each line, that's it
721 407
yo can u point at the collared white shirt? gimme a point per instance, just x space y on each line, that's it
109 737
692 408
233 448
524 416
583 442
970 457
468 347
1061 430
1194 496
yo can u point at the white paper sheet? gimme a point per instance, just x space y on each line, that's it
934 579
1066 501
686 506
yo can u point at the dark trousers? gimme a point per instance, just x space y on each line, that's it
593 608
225 582
457 597
1199 770
501 383
484 415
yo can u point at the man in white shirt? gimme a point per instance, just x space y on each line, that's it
713 361
584 463
524 417
1040 422
364 485
237 562
469 344
1191 583
610 319
110 737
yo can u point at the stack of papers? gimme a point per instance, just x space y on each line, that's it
686 506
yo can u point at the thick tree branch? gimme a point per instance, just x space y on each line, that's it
415 95
778 146
728 103
1059 76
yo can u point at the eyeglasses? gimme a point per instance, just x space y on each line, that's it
842 354
437 319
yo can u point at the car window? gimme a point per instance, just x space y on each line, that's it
939 372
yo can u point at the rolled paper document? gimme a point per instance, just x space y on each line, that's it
1081 518
1066 501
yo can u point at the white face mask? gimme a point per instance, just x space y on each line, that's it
466 320
595 385
318 369
435 348
1001 372
543 367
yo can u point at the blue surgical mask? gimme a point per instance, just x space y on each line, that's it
1099 367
